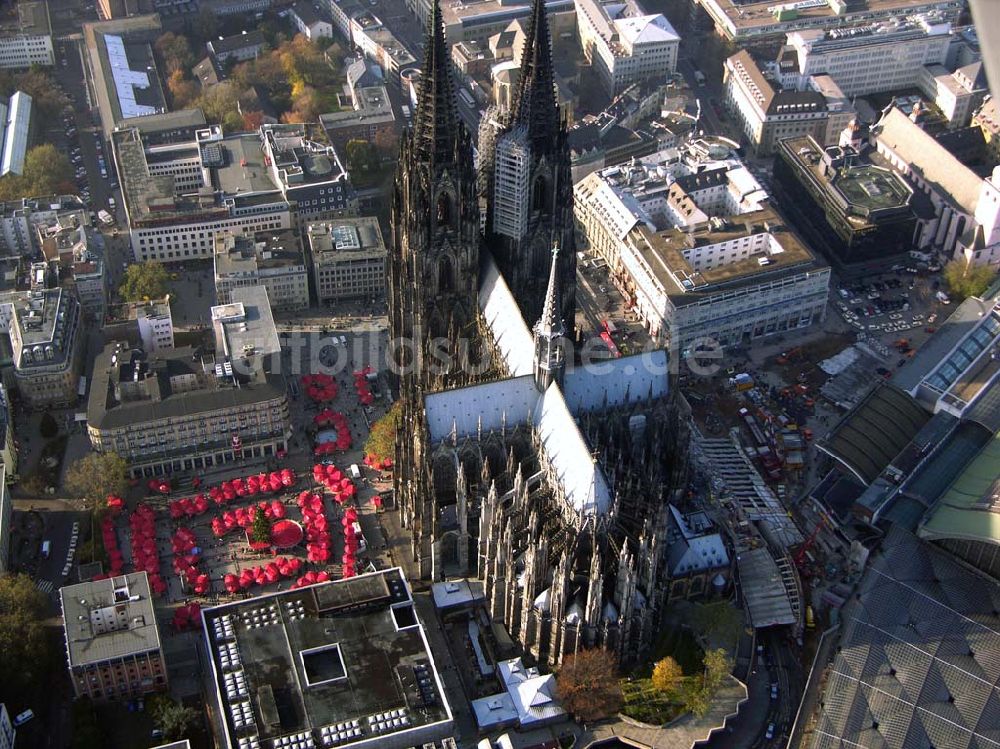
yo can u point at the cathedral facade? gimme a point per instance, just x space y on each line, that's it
546 477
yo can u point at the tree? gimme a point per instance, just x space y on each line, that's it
144 281
717 667
49 427
183 91
173 718
46 96
667 675
381 442
24 645
964 279
253 120
587 685
696 697
175 51
260 531
96 475
219 100
45 168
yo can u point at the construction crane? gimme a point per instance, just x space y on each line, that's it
800 555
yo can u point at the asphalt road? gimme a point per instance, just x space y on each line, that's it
780 659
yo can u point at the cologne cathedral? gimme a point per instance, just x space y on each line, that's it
546 478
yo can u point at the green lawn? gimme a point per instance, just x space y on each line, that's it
644 702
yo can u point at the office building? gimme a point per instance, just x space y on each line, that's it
887 56
111 9
370 118
181 409
344 663
179 196
123 67
6 512
113 645
272 260
309 22
161 129
47 345
625 44
307 172
692 243
765 115
851 209
478 20
26 38
8 447
238 47
349 259
761 21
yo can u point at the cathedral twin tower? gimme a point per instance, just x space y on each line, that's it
523 187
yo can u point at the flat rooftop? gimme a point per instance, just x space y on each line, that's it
236 253
176 383
44 321
30 18
345 238
110 618
243 169
490 12
347 658
761 17
663 253
246 323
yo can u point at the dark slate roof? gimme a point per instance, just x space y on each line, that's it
875 431
919 657
237 41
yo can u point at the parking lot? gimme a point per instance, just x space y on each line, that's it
893 304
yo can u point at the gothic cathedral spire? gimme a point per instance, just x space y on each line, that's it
436 117
535 102
550 358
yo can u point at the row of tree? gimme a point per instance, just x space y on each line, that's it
46 171
589 688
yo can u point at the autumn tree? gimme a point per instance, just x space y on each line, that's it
183 91
218 101
144 281
46 96
96 475
45 170
381 442
587 685
253 120
175 51
964 279
667 675
24 646
717 666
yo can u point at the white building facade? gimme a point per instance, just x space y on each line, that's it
625 44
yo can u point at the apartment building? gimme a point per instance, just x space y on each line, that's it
20 218
271 260
238 47
765 115
625 44
179 196
379 44
349 259
182 409
74 254
697 252
147 325
113 645
370 118
988 120
26 39
47 344
308 21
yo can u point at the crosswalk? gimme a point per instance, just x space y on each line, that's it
46 586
